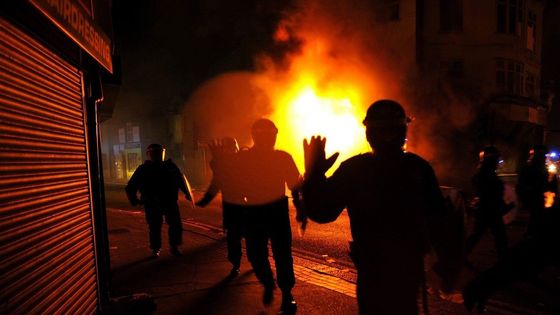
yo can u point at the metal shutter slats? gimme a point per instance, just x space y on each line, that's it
47 252
23 70
40 101
45 199
40 270
30 51
19 106
18 118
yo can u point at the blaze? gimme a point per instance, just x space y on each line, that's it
549 199
308 111
319 94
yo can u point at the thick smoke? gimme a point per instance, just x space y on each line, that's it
347 46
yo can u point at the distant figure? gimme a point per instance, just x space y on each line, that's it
526 260
534 181
159 182
225 179
396 211
266 173
489 189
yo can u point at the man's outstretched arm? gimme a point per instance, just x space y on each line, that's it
210 194
322 198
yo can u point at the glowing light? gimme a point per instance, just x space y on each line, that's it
549 199
552 169
321 93
332 114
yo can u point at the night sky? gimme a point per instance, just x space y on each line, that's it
169 48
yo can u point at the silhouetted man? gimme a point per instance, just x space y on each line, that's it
489 189
534 181
396 210
526 260
266 173
159 182
224 165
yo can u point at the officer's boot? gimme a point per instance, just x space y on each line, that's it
289 305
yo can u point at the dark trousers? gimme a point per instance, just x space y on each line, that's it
379 293
388 280
233 223
155 214
495 224
270 222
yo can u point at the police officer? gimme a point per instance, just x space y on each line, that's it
489 189
534 181
224 179
158 181
395 207
266 172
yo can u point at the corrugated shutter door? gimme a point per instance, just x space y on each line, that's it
47 258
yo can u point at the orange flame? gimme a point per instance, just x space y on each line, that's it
323 95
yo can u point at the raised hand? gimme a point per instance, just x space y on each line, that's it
314 153
216 148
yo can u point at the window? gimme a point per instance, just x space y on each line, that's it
509 16
531 31
530 85
451 15
509 77
133 160
393 10
455 69
388 10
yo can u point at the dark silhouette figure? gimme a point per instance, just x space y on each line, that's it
534 181
396 211
489 190
159 182
526 260
266 172
224 179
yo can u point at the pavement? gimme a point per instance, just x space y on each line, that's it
198 282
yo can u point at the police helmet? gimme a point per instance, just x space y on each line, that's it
386 113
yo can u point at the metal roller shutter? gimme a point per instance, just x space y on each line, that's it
47 256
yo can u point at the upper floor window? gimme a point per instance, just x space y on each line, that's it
509 77
451 15
388 10
530 84
455 69
531 31
509 16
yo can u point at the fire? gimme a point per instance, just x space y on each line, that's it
320 95
332 114
549 199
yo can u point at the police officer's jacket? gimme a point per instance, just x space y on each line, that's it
157 182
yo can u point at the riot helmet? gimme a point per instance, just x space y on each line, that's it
155 152
490 157
386 125
537 155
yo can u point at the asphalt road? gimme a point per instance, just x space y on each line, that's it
327 242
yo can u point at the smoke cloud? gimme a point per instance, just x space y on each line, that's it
343 50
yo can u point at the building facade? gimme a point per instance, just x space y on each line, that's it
487 52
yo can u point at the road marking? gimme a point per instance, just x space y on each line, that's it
319 274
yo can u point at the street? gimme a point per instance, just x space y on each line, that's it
324 248
326 242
